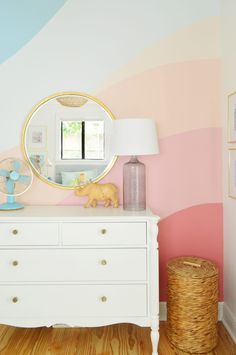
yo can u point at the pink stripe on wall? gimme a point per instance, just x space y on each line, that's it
187 172
195 231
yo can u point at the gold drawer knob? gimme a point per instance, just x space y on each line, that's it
103 299
103 231
103 262
15 263
15 231
15 299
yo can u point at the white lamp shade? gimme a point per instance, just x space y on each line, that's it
134 136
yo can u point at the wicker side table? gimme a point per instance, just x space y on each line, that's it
192 307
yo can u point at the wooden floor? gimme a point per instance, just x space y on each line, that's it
122 339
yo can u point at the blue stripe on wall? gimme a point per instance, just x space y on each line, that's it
21 20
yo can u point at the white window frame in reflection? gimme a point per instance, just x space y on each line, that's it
90 146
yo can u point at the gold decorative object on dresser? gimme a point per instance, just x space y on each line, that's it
76 267
106 193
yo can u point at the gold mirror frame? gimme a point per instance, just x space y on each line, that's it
26 124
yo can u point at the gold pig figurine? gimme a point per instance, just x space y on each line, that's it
99 192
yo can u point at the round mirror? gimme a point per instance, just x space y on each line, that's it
66 139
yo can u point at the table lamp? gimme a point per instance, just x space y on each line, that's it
134 136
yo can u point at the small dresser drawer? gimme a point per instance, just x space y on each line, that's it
73 265
17 234
104 233
54 301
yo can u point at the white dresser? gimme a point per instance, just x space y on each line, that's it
79 267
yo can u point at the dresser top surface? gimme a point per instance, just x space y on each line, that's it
74 212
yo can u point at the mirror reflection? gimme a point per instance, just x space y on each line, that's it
82 140
66 139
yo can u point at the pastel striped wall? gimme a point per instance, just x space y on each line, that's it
155 59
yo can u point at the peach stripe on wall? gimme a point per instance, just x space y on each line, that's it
186 173
196 231
180 97
196 42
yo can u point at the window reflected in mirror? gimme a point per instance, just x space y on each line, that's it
71 140
94 139
82 140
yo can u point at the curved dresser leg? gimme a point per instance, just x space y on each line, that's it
155 336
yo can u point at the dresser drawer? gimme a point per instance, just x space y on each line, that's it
72 265
28 234
104 233
73 301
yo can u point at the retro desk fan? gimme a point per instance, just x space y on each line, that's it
15 178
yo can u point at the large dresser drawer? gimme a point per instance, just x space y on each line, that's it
16 234
73 301
72 265
104 233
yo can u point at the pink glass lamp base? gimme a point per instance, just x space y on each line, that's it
134 185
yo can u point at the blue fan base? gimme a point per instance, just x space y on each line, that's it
11 206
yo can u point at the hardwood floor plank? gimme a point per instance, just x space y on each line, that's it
120 339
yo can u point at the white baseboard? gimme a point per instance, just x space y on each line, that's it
229 321
163 311
220 310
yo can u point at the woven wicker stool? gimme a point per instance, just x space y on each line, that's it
192 307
